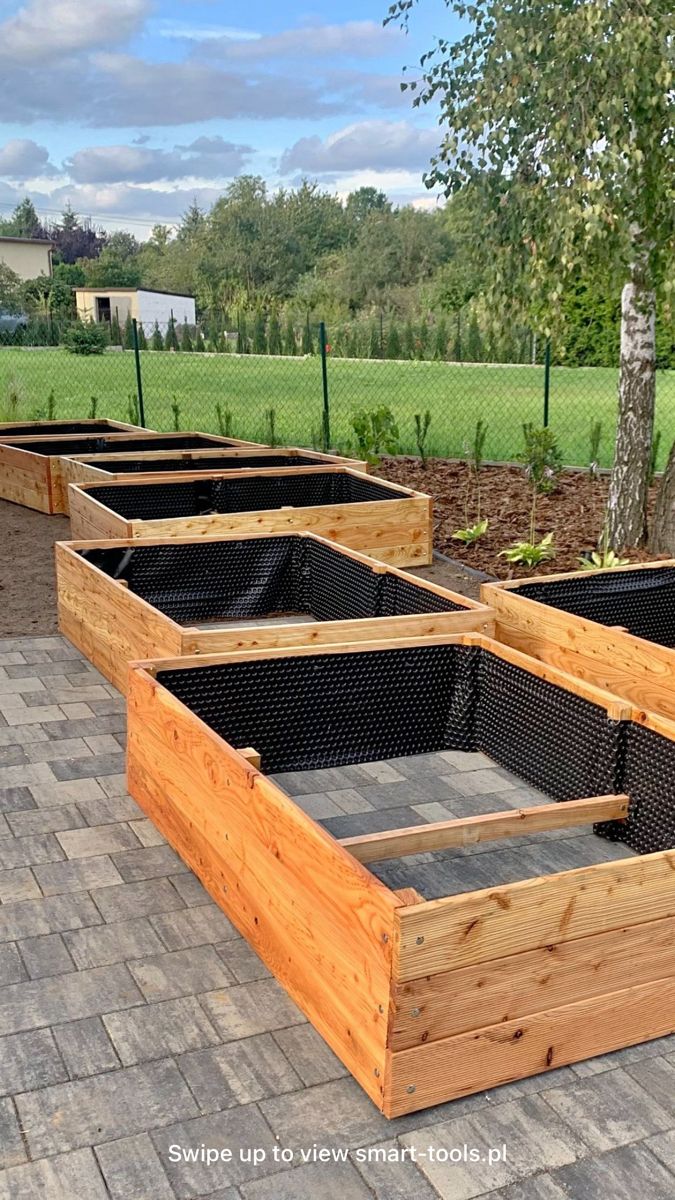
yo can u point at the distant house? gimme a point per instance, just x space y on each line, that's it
147 306
27 257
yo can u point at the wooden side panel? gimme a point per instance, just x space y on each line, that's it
439 1006
480 926
24 478
321 923
397 531
90 521
486 1058
71 470
641 671
109 624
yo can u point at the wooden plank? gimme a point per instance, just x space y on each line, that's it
24 478
640 671
515 584
486 1058
502 989
250 755
74 470
478 926
314 458
320 922
89 519
468 831
409 895
107 622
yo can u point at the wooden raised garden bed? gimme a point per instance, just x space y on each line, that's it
30 467
423 1000
126 600
107 468
615 628
389 522
66 428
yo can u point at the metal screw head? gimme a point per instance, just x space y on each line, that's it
410 1089
380 1008
419 940
385 937
415 1012
376 1072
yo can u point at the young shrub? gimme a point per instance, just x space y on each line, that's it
290 344
422 341
10 410
307 340
441 340
271 421
393 342
376 433
374 348
259 334
133 415
408 340
243 344
128 335
422 424
51 406
199 344
93 405
85 339
186 339
142 340
224 420
274 336
171 337
175 409
156 341
115 331
542 458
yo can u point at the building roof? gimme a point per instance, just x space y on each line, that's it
101 291
28 241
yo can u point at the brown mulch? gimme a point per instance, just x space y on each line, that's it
574 512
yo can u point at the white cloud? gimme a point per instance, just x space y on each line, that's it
43 29
378 145
205 158
22 158
182 31
360 39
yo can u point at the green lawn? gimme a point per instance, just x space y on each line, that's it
457 396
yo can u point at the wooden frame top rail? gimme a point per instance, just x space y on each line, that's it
188 476
468 831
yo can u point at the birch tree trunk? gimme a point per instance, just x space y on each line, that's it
629 483
662 540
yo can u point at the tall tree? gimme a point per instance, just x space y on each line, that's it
560 117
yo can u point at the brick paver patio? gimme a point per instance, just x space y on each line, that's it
133 1017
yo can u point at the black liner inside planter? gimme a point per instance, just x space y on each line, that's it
101 445
48 428
260 577
311 712
154 501
642 601
142 466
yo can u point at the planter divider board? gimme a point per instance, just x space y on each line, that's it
67 427
423 1000
131 599
614 628
381 519
30 467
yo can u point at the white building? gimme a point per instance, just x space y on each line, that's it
147 306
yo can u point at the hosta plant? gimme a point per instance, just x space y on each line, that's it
530 554
471 533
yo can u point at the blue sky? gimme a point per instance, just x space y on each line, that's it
130 108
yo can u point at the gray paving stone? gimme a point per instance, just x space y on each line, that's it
246 1009
52 750
611 1109
663 1146
536 1187
462 760
114 785
40 715
238 1073
13 799
536 1139
12 969
391 1177
76 711
12 756
128 900
242 961
62 1178
619 1175
9 687
132 1170
44 820
313 1060
194 927
20 884
88 842
320 806
190 889
147 833
22 735
30 918
151 862
657 1076
72 791
180 973
94 766
315 1181
114 704
29 1061
45 956
371 822
39 1002
109 810
85 1047
104 1108
77 875
21 668
155 1030
12 1149
29 851
87 726
120 941
239 1130
103 743
476 783
332 1114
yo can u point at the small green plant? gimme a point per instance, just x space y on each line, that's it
85 339
225 420
186 338
156 341
376 433
530 554
422 424
10 409
271 426
594 440
654 456
132 409
51 405
542 458
472 532
602 560
175 409
93 405
171 338
142 340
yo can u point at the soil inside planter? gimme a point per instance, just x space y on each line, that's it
574 513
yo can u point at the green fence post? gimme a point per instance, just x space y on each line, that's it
139 377
324 383
547 380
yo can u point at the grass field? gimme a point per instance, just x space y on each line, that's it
457 395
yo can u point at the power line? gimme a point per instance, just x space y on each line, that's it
57 212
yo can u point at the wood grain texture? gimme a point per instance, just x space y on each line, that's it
25 478
89 520
320 922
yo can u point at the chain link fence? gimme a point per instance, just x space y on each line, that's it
311 397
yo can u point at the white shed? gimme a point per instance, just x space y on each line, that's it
146 305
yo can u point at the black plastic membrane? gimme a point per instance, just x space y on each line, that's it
97 444
239 462
640 600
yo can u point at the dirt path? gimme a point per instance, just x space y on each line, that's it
27 592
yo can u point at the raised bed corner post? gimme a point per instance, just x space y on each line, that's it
547 381
139 377
325 441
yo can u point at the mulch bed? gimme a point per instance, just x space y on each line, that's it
574 512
